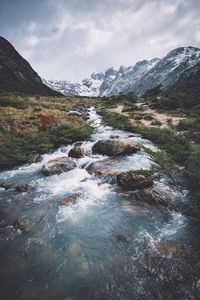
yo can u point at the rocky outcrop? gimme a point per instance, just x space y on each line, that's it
113 147
131 181
76 152
58 166
70 199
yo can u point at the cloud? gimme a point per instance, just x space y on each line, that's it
67 39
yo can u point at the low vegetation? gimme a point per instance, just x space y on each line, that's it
37 125
180 152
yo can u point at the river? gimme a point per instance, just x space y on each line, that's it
106 246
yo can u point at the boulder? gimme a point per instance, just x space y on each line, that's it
131 181
58 166
23 224
154 197
76 152
70 199
23 188
97 169
115 147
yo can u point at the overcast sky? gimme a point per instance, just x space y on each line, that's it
70 39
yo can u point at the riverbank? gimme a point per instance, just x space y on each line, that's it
182 153
82 234
31 126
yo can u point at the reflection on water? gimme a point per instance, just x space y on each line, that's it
104 246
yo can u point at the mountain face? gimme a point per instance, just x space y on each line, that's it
138 78
16 74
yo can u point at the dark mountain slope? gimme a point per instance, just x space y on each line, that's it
16 74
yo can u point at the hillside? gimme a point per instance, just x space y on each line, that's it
16 74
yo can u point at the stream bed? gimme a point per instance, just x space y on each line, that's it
106 245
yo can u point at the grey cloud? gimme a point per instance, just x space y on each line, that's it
69 39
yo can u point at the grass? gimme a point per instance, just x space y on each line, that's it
37 124
176 148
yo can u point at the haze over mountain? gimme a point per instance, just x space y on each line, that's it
16 74
138 78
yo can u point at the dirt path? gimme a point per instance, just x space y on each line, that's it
166 120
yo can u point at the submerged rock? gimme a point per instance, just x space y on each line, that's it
70 199
121 237
76 152
115 147
170 248
3 218
6 185
58 166
132 181
23 188
24 224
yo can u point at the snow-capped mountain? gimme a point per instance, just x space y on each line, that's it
138 78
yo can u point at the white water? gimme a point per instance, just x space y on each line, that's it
87 227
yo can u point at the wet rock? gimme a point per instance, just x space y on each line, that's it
114 136
35 158
112 160
6 185
58 166
23 188
132 181
70 199
95 168
153 197
115 147
170 248
85 179
24 224
76 152
121 237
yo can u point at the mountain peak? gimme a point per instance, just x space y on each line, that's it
145 74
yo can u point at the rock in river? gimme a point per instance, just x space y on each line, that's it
131 181
24 224
115 147
70 199
23 188
58 166
76 152
6 185
100 170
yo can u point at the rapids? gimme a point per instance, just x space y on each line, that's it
105 246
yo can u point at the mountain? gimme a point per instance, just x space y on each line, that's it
138 78
16 74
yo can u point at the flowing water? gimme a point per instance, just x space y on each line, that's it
105 246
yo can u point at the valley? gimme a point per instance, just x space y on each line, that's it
99 194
